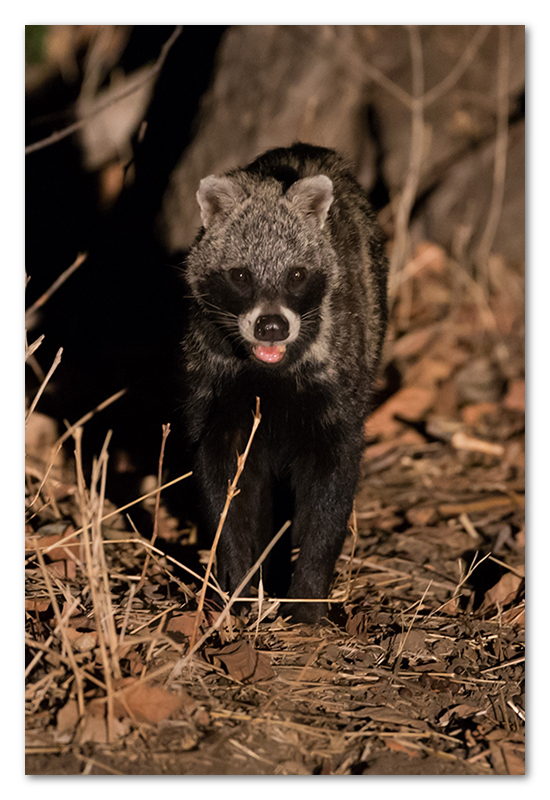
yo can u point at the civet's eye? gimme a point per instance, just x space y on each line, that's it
297 275
239 275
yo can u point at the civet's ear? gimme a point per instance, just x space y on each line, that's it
217 196
312 197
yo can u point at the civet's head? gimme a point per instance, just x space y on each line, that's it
261 266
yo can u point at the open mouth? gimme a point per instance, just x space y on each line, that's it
269 354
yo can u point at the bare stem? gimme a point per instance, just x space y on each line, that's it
231 492
38 395
165 432
73 534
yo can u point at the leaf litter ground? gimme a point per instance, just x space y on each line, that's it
419 668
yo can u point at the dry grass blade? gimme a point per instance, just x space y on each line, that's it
90 507
165 432
97 500
29 313
236 594
56 449
231 492
403 640
114 513
30 349
147 545
38 395
353 527
50 638
62 627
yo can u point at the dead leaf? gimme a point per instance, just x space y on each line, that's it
428 373
392 448
93 726
184 623
461 711
62 569
37 606
515 763
292 768
432 257
145 703
412 343
177 737
505 760
515 397
423 515
242 662
520 537
86 641
446 404
67 720
473 413
357 625
135 662
502 593
479 381
382 714
514 616
227 626
69 550
399 747
410 403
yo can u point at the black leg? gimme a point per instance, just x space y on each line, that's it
250 514
323 507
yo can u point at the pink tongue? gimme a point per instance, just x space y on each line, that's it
270 354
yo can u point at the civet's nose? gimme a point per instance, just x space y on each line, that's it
271 328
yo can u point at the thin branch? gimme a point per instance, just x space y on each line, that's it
70 129
501 149
371 72
459 68
410 188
